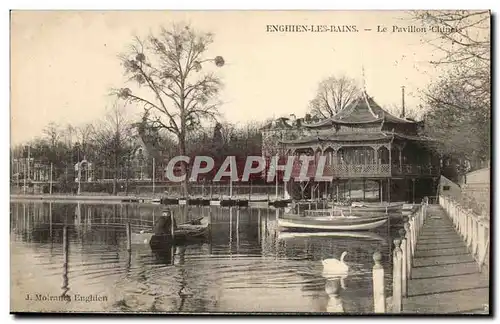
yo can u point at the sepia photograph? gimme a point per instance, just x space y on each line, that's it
322 162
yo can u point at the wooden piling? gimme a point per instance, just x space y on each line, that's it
65 259
378 284
129 237
65 244
172 230
397 299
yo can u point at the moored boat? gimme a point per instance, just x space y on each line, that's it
193 230
329 223
331 234
357 207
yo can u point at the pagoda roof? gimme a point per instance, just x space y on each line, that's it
363 110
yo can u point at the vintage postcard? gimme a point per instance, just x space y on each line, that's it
203 162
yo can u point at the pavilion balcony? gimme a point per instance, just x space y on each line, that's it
369 170
415 170
360 170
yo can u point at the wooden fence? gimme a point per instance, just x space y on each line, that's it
402 261
474 229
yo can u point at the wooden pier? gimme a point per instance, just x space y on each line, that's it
445 277
440 263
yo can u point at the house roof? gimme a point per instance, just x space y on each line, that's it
363 110
278 123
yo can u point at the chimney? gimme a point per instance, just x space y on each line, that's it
403 102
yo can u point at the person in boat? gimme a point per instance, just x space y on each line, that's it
164 224
162 231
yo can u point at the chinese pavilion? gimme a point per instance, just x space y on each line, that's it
370 153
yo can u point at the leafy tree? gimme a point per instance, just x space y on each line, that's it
176 94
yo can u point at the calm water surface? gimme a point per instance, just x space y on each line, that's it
246 265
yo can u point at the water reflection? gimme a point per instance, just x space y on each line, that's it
245 265
335 303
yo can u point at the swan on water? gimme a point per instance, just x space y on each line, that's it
334 266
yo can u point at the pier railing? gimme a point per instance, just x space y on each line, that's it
402 256
474 229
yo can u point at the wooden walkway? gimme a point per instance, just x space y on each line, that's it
445 277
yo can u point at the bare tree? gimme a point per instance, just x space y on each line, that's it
459 102
112 138
53 132
168 66
333 95
410 112
463 40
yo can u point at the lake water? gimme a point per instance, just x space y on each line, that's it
245 266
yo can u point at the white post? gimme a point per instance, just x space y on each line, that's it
29 158
404 264
396 278
409 255
154 175
24 176
276 186
230 188
378 284
475 225
18 173
50 187
79 176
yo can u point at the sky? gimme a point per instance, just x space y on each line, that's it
63 63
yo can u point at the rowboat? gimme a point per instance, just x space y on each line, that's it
357 207
193 230
344 234
329 223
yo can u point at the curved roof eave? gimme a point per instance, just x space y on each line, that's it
371 137
331 122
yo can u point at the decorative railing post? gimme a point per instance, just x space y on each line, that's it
404 262
470 231
413 233
457 216
409 252
475 225
378 284
472 228
397 298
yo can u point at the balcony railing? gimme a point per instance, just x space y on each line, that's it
363 170
414 169
368 170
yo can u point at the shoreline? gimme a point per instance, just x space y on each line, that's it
123 198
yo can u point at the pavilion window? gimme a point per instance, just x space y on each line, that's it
383 155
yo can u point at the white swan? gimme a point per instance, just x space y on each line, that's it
333 268
336 266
